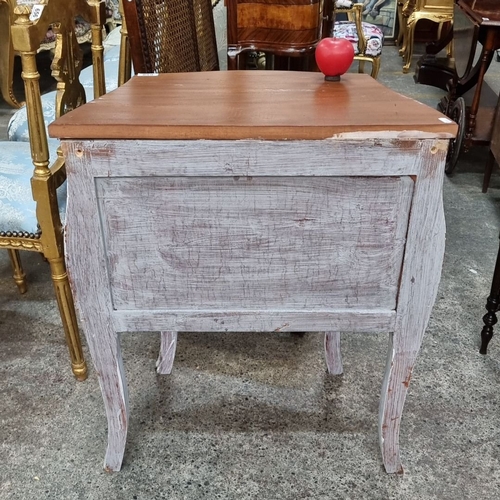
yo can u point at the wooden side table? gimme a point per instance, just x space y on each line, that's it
254 201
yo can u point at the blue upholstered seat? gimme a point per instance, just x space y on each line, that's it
17 208
17 129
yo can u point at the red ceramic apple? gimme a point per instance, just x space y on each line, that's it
334 57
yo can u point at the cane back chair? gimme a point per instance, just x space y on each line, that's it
171 36
33 200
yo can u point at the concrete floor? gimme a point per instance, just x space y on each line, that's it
256 416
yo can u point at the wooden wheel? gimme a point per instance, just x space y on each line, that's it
458 114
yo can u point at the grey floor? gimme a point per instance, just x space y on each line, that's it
256 416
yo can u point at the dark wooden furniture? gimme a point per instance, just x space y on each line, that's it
217 206
493 302
171 36
476 25
286 28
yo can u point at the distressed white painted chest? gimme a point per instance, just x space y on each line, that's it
254 201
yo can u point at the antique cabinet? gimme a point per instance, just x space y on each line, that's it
255 201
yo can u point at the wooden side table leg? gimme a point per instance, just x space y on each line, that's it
492 303
108 364
168 345
394 389
86 264
333 354
419 284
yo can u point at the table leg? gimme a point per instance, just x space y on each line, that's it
419 284
168 345
87 268
108 364
333 354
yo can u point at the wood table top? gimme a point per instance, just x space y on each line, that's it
269 105
483 11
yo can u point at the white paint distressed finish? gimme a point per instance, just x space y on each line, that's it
168 345
356 320
100 262
333 354
419 285
85 256
335 156
254 243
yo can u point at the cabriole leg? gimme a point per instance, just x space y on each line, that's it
333 354
168 345
108 363
394 389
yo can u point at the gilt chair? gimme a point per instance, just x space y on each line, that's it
7 53
171 36
286 28
367 39
437 11
32 174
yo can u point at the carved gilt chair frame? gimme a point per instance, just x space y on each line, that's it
66 66
437 11
7 53
354 15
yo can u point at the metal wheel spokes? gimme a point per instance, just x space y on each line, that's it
458 114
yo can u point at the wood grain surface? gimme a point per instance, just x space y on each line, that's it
249 105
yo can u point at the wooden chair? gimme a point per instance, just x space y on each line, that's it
33 201
171 36
288 28
367 39
437 11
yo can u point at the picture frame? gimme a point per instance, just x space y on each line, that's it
382 13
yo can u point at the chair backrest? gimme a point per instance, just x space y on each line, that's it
30 27
171 36
282 27
7 52
427 5
125 65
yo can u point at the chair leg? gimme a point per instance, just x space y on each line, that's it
409 49
166 356
375 67
361 66
19 276
68 316
487 171
232 62
332 353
